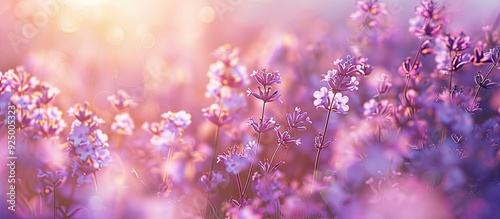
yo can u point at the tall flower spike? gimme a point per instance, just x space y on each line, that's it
430 10
266 79
122 100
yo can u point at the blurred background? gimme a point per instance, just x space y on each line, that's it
156 49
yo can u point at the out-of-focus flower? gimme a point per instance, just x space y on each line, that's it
459 61
250 150
267 124
479 57
428 30
383 85
180 119
494 55
429 10
51 177
169 130
456 43
79 133
47 93
24 102
270 187
298 119
122 100
20 82
123 124
209 182
81 112
235 162
87 144
411 69
217 116
46 122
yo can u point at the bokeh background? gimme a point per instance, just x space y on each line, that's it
159 52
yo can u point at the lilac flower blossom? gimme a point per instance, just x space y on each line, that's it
123 124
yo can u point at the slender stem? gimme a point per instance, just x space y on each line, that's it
320 147
478 87
415 58
315 174
238 181
216 142
96 185
274 154
257 149
451 72
167 165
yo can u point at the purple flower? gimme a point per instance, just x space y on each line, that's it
250 150
410 70
266 95
270 187
459 61
100 138
267 124
383 85
123 124
227 71
318 139
217 116
235 162
324 98
20 82
80 112
494 54
47 93
456 43
79 134
209 182
285 139
51 177
181 119
46 122
429 10
371 6
266 78
121 101
297 120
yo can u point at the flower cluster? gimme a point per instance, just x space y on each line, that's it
266 80
168 130
37 116
88 145
340 80
227 75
